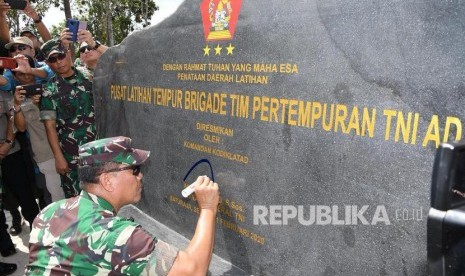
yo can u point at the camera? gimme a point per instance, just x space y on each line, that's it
33 89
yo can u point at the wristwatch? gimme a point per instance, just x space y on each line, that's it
38 20
8 141
97 44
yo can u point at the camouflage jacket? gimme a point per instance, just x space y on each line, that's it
70 102
82 236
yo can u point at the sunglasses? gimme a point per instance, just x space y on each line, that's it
83 49
19 48
135 170
56 57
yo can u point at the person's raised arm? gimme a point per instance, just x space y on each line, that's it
65 38
195 259
4 27
41 28
24 67
86 36
3 80
19 120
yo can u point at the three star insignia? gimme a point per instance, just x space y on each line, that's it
218 49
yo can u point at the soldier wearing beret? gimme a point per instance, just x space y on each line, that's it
84 236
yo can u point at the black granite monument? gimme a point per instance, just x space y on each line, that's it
318 119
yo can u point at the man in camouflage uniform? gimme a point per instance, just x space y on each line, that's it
67 109
84 236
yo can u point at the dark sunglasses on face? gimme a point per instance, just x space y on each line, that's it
135 169
19 48
56 57
83 49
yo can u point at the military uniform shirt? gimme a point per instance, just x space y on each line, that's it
82 236
70 102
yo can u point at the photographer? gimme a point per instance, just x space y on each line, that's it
23 46
27 117
14 167
26 32
40 26
90 50
89 56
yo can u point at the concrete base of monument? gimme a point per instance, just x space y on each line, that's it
218 265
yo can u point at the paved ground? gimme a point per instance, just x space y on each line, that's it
21 242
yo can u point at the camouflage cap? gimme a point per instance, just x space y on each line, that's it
27 30
114 149
51 47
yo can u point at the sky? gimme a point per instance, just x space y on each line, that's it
167 7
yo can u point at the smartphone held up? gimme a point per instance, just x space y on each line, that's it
16 4
74 26
33 89
8 63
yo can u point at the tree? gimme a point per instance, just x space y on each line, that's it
15 17
124 17
110 21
